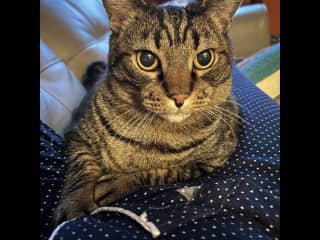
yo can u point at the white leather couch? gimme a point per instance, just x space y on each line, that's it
74 33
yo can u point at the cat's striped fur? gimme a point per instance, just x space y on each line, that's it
131 133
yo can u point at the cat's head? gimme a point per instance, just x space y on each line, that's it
172 61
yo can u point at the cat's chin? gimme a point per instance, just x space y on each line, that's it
175 117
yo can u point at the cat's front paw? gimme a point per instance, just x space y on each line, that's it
72 207
109 188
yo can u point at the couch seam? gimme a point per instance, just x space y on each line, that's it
56 98
51 64
98 40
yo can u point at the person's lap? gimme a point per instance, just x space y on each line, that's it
239 201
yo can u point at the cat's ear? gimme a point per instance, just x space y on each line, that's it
221 11
121 11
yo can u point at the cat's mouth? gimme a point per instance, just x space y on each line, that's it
175 117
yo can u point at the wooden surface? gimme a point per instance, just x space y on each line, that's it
274 13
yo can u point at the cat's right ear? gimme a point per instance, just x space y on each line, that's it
121 11
220 11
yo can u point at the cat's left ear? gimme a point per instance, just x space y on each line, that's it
221 11
121 11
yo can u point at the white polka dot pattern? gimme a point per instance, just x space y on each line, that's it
52 169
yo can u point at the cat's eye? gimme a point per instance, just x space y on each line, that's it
205 59
147 60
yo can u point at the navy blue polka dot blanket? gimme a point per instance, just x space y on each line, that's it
240 200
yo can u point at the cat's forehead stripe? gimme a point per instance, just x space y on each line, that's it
163 26
187 27
183 24
157 37
176 24
176 19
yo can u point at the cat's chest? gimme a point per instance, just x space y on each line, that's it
130 158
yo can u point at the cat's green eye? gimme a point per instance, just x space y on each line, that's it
147 60
205 59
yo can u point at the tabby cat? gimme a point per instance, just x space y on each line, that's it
163 112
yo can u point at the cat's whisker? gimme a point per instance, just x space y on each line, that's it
130 123
147 123
232 113
138 118
232 100
120 116
136 128
143 122
222 119
229 112
224 114
240 105
124 127
212 116
120 106
236 119
206 116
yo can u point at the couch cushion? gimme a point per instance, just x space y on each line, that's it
250 31
60 91
76 30
73 33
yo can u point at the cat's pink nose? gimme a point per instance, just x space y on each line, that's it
179 99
